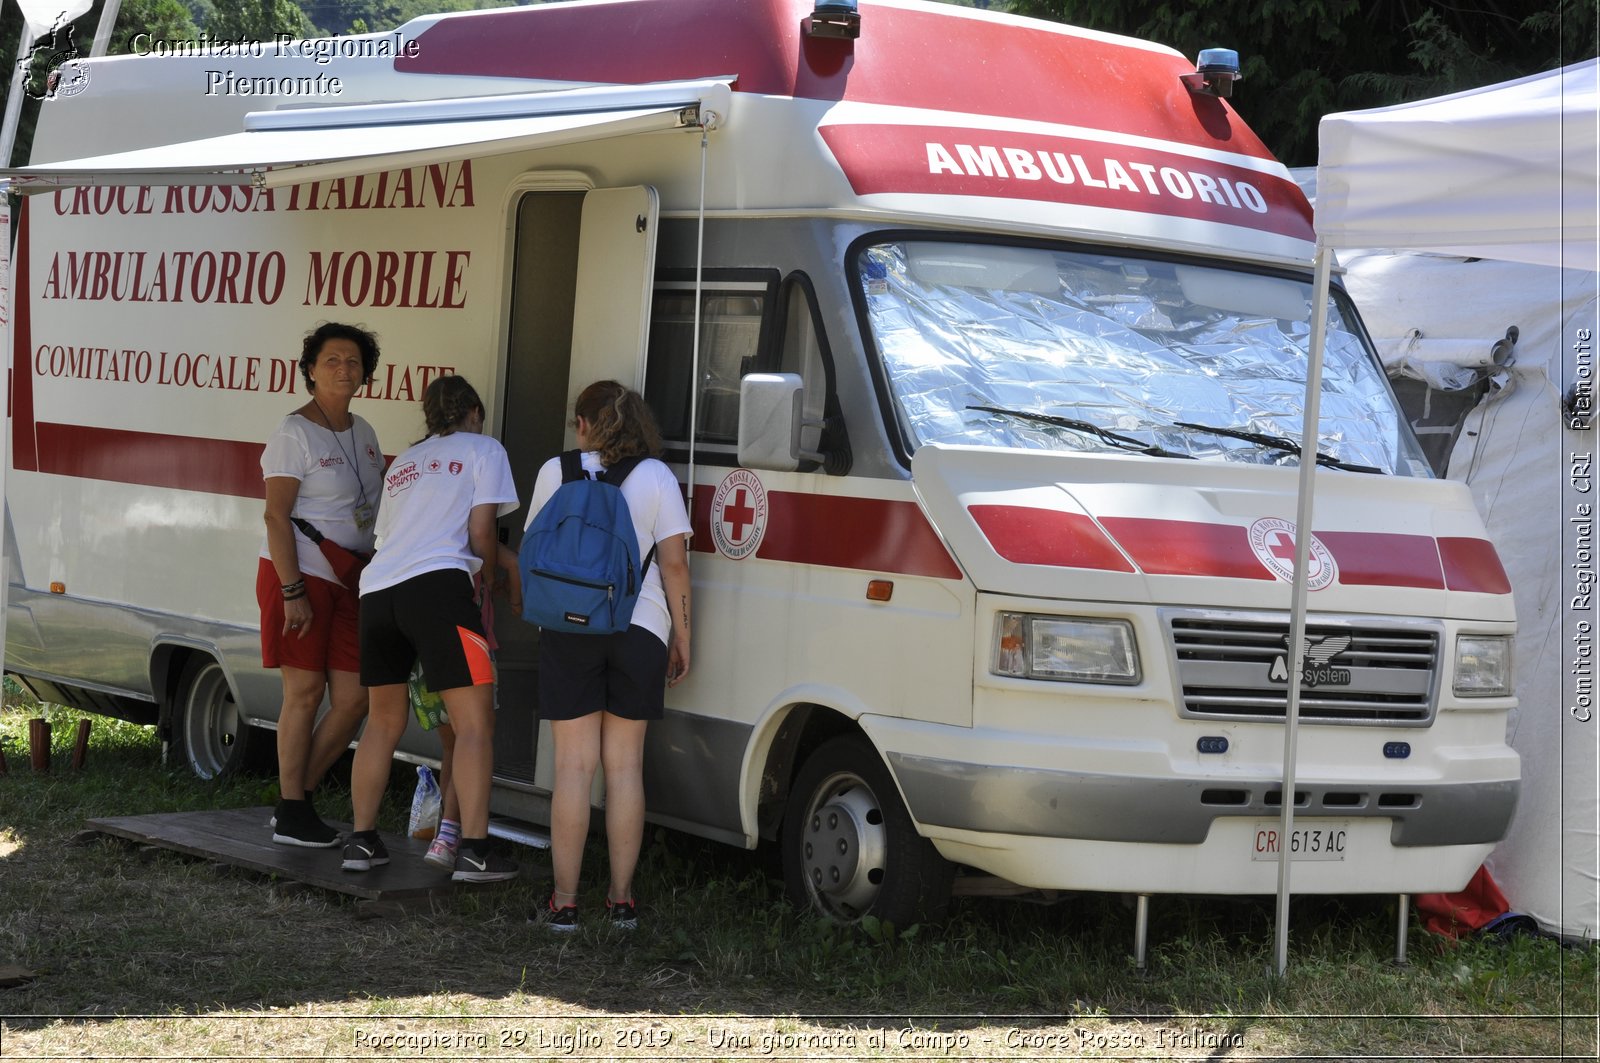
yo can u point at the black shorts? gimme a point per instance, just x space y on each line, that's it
624 673
431 616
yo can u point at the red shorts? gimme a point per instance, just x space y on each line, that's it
331 643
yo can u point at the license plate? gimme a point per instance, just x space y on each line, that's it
1325 841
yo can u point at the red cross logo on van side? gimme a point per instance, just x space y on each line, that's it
738 514
1272 540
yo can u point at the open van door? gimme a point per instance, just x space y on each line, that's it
610 330
616 273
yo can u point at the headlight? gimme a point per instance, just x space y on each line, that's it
1072 649
1483 666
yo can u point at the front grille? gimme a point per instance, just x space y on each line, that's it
1234 667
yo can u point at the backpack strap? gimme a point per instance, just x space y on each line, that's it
614 475
572 466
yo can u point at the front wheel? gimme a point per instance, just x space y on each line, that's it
209 736
849 846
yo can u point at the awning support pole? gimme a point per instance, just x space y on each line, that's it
699 277
1310 436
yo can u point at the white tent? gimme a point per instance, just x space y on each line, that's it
1504 172
1496 191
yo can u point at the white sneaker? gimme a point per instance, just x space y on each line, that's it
442 854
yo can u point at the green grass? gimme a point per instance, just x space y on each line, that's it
230 957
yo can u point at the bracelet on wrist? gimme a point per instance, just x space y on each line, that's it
294 590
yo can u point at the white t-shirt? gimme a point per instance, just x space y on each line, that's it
338 472
655 502
428 494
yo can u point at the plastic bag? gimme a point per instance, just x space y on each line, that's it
426 805
426 704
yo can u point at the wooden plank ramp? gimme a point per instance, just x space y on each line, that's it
241 837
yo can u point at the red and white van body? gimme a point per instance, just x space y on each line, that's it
902 226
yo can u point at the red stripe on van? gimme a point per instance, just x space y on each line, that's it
1472 565
835 531
957 161
1187 548
215 466
1029 535
904 57
24 447
1379 559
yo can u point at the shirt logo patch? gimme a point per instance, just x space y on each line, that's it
401 478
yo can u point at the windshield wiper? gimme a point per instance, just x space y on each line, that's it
1288 446
1121 442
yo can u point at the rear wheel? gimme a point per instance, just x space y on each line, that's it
849 846
209 736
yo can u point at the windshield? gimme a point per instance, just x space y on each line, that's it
1002 346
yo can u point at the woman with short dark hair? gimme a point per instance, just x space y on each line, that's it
322 468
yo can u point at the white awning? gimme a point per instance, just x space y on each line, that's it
1506 171
293 146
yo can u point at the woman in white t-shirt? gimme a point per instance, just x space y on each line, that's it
600 691
436 532
322 467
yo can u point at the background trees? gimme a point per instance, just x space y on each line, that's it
1302 59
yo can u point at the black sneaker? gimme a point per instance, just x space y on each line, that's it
297 823
624 916
364 851
562 920
272 821
477 862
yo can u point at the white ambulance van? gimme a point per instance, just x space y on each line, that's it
979 344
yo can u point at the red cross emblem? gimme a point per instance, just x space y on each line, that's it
1273 541
738 514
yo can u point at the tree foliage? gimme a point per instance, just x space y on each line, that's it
1302 59
258 20
165 20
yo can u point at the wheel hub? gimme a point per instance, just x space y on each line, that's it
844 846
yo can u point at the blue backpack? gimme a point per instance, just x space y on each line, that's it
580 558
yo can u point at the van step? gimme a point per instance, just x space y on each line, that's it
513 830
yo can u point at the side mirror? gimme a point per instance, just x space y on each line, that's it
770 420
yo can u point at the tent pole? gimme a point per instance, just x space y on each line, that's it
1309 438
108 25
8 128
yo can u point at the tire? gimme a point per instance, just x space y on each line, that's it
209 736
849 846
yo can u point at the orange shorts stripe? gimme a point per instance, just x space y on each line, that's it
475 648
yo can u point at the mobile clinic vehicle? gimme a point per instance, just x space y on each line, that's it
990 333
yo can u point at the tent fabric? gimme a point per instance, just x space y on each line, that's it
1508 172
1474 907
1513 453
1482 208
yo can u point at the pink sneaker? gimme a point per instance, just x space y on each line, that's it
441 854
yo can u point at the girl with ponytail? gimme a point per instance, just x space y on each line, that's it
599 692
436 532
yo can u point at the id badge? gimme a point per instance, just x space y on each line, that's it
363 516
